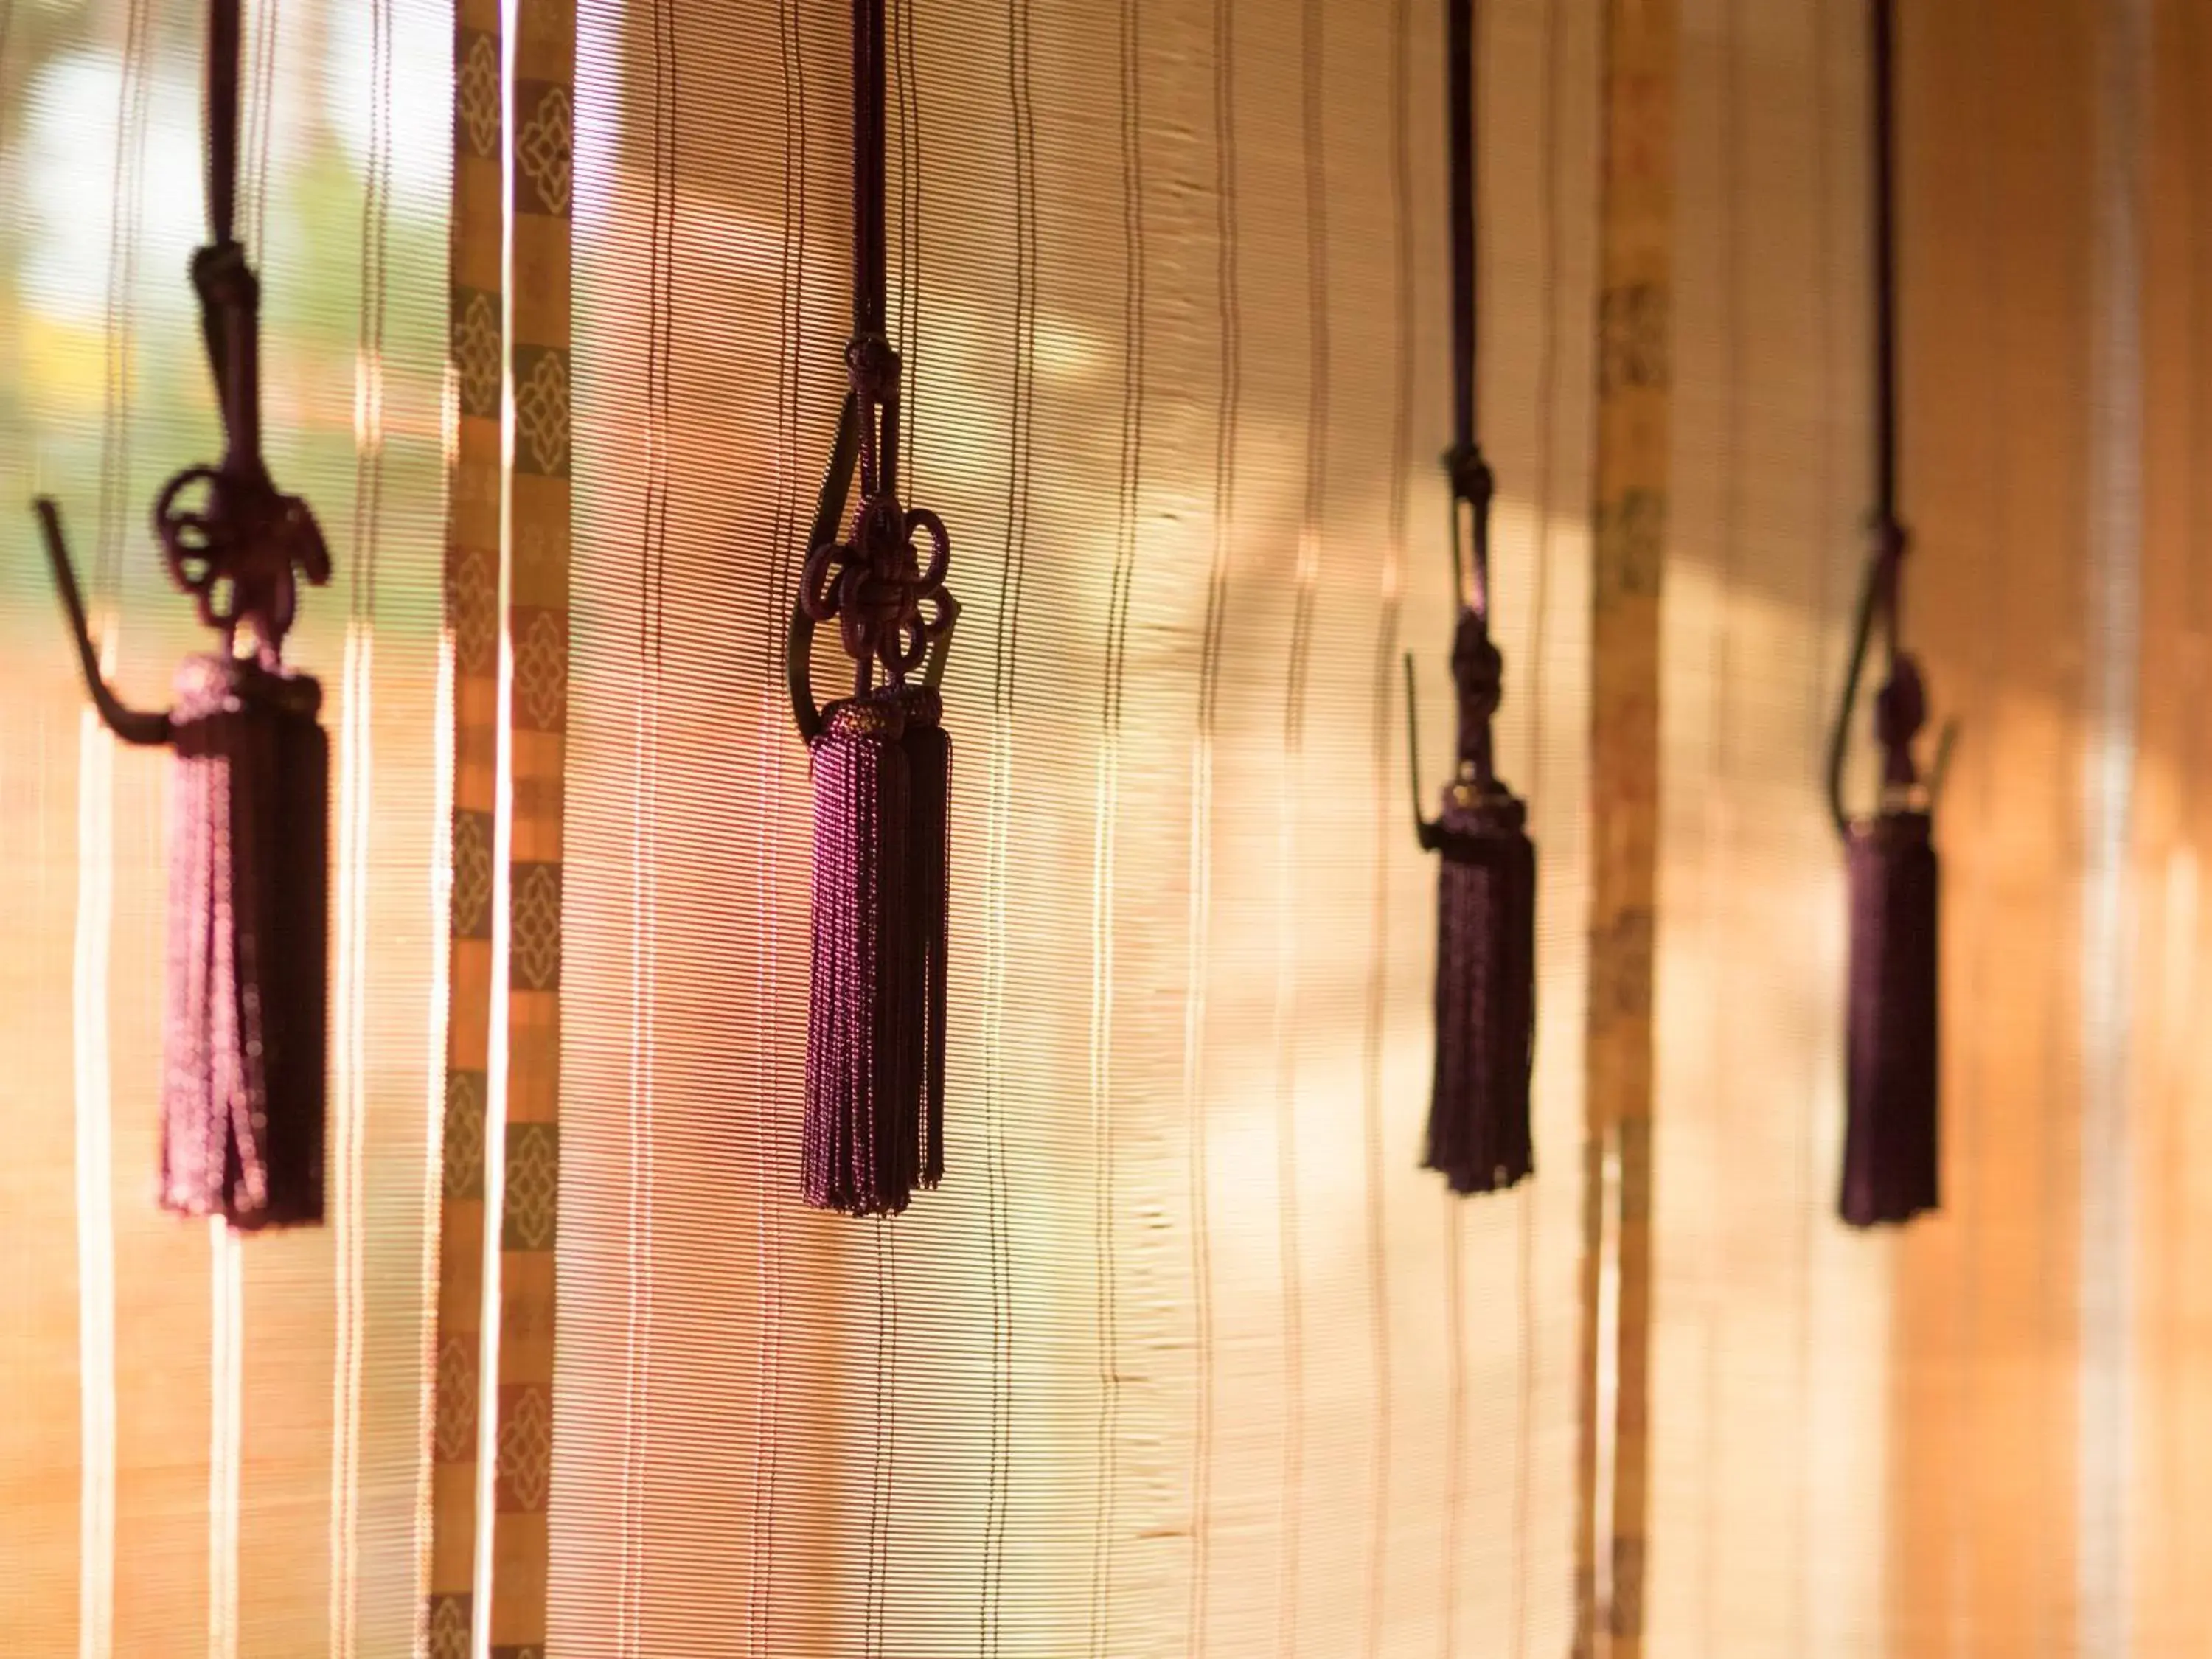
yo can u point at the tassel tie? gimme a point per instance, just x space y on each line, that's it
1891 1130
244 1038
1478 1134
882 769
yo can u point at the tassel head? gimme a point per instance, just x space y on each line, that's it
1892 1132
244 1048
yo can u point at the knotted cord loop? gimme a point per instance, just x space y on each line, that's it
1901 705
889 602
230 538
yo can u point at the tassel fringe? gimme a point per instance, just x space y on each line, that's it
863 1147
928 750
1891 1133
1479 1129
244 1051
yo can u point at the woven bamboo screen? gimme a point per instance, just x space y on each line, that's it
1981 1435
206 1446
1188 1356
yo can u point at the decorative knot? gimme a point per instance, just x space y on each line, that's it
1478 669
225 282
240 550
1472 479
1900 709
872 363
877 588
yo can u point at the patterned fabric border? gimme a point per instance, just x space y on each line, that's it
537 624
475 512
1630 511
522 516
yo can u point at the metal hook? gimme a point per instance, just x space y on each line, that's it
145 728
829 513
932 671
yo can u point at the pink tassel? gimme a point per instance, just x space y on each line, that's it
862 1153
242 1102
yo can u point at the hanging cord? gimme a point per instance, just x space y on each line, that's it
1901 705
1477 669
239 551
873 584
1472 485
1479 1132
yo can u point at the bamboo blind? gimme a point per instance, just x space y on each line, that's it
1188 1356
1978 1436
212 1447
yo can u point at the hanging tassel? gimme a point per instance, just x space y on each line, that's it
242 1098
1478 1132
876 1026
1891 1134
928 751
1485 1013
243 1046
1891 1131
1478 1136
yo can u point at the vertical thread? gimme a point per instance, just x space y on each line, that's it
1105 835
1382 786
95 899
1717 830
1312 67
772 1185
1004 703
1198 958
96 1182
226 1355
2114 549
356 783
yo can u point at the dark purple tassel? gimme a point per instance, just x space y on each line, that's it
928 750
862 1153
1479 1129
243 1057
1891 1134
1478 1133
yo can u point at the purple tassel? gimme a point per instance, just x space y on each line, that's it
1479 1130
243 1056
929 750
1891 1134
864 1053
